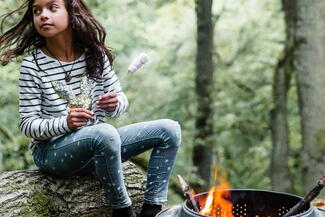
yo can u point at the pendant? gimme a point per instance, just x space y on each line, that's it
68 77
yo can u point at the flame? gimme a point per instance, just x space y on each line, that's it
215 204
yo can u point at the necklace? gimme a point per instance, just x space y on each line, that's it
68 76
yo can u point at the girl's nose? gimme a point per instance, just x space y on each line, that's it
44 15
43 18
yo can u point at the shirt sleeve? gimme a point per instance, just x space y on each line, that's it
30 107
112 84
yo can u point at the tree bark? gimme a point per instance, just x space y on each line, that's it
310 68
203 147
280 174
33 193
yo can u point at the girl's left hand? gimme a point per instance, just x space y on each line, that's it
107 102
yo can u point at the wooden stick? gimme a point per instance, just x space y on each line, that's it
188 193
307 199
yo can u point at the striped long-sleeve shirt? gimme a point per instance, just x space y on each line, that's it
43 113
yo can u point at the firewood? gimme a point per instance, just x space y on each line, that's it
188 194
307 199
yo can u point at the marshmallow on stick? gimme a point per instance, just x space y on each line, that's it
136 64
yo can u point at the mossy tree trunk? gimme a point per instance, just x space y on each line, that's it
32 193
310 65
280 174
203 147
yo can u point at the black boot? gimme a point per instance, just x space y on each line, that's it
149 210
124 212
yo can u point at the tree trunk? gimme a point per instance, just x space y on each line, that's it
280 175
203 147
32 193
310 68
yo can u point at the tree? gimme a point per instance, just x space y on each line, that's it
280 174
309 66
203 148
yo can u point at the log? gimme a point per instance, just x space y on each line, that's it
33 193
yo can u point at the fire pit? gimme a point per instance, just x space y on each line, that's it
248 203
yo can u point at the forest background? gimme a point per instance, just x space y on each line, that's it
253 46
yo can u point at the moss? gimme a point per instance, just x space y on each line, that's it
133 179
39 204
13 187
320 139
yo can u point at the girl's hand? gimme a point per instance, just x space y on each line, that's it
78 117
107 102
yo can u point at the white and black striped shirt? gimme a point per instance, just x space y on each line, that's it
43 113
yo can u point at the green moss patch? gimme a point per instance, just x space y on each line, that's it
39 204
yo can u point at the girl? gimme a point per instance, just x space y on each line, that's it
66 45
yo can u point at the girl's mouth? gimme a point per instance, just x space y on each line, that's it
46 25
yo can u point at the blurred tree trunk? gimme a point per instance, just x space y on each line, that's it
32 193
280 175
203 147
310 69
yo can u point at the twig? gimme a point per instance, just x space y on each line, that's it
187 193
307 199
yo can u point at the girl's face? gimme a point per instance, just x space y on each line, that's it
50 18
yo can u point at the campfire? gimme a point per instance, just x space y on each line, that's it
222 201
217 203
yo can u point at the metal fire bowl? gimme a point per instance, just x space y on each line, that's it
250 203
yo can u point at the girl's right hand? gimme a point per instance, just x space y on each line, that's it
78 117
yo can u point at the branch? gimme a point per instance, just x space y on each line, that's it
307 199
188 194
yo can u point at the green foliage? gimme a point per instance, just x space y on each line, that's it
248 50
13 145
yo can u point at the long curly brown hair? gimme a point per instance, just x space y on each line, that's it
88 36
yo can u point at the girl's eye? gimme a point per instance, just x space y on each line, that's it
36 11
54 7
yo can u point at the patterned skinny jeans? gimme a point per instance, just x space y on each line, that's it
101 148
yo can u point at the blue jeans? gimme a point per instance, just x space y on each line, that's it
101 148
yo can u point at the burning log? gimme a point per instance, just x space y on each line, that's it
307 199
188 194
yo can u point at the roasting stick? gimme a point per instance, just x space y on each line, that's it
307 199
187 193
